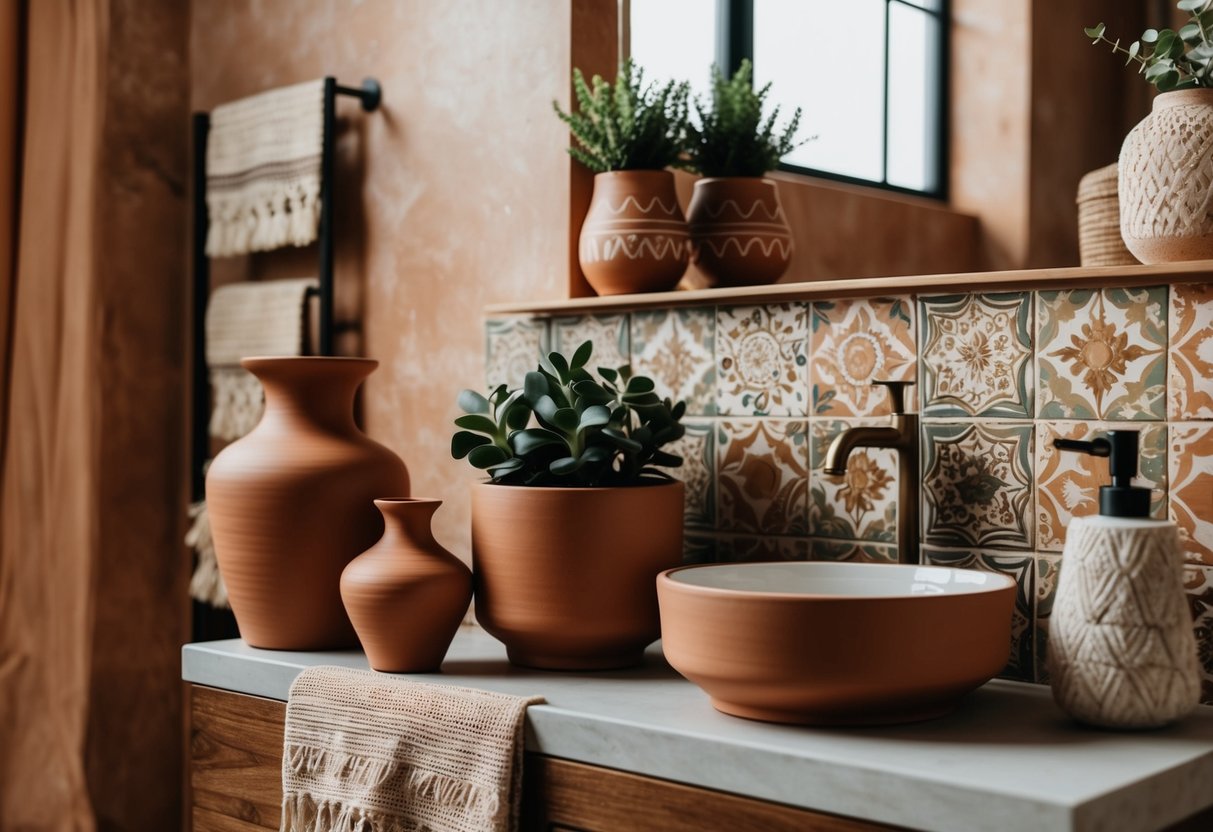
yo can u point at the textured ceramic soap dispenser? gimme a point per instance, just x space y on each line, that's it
1121 649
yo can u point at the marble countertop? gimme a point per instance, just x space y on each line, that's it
1007 760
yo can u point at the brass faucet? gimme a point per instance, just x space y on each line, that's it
901 434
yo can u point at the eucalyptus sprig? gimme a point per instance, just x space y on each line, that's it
1169 59
732 137
626 125
605 431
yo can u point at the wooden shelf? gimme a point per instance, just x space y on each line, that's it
1067 278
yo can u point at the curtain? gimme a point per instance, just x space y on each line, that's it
49 449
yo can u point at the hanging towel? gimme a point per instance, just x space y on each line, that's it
263 170
368 752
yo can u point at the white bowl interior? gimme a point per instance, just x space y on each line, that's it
842 580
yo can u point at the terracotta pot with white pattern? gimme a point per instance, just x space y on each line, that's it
635 237
739 234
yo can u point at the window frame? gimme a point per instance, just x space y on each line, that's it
735 42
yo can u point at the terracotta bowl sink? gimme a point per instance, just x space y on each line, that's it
835 643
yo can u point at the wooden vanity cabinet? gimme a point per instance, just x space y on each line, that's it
235 770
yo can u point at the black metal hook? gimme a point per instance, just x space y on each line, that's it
370 93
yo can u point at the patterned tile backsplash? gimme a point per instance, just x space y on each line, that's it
999 377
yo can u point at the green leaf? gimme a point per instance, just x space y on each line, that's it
463 443
524 442
594 416
545 408
564 465
609 374
582 355
1191 5
622 440
506 468
534 386
1190 33
517 416
560 364
474 421
666 460
1149 36
472 402
487 456
640 384
1134 48
595 454
566 419
592 392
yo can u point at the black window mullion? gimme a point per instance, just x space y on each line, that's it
884 123
734 34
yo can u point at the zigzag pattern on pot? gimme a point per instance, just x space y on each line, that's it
1166 187
780 244
633 245
604 206
716 212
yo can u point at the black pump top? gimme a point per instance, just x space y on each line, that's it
1121 498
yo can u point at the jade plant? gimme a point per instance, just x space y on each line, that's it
1170 59
626 125
566 427
732 137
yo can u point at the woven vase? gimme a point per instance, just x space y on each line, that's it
1099 240
1166 180
1122 653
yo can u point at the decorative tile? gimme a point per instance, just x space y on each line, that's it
862 505
1047 569
852 551
698 472
676 348
762 477
1190 454
977 355
608 333
512 349
760 360
977 484
854 343
698 549
1190 385
745 549
1101 354
1021 567
1198 583
1068 483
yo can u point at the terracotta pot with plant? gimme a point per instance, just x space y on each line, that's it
577 517
739 234
634 238
1166 162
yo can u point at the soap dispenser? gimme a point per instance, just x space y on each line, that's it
1122 653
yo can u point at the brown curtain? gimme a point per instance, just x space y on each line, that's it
49 456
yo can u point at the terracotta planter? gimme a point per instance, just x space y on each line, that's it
1166 180
739 235
291 503
634 238
565 577
406 594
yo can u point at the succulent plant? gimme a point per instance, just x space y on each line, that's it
1169 59
732 137
626 125
605 431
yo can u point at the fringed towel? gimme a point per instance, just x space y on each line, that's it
263 170
365 752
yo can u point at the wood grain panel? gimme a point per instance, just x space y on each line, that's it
235 761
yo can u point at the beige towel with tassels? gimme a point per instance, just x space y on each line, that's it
367 752
263 170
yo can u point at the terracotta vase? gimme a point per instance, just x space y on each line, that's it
1166 180
634 238
565 577
291 503
739 235
406 595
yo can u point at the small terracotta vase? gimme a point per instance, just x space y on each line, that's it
291 503
634 238
565 577
406 595
1166 180
739 235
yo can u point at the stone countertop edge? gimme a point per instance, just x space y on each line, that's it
1007 760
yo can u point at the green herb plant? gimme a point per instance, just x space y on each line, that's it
626 125
732 137
604 431
1171 60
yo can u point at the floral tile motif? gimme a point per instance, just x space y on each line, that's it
977 484
746 549
762 476
1068 483
1191 496
852 551
977 355
698 549
862 505
676 348
1021 567
760 360
1047 570
1198 583
512 349
609 334
854 343
698 472
1190 385
1101 354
